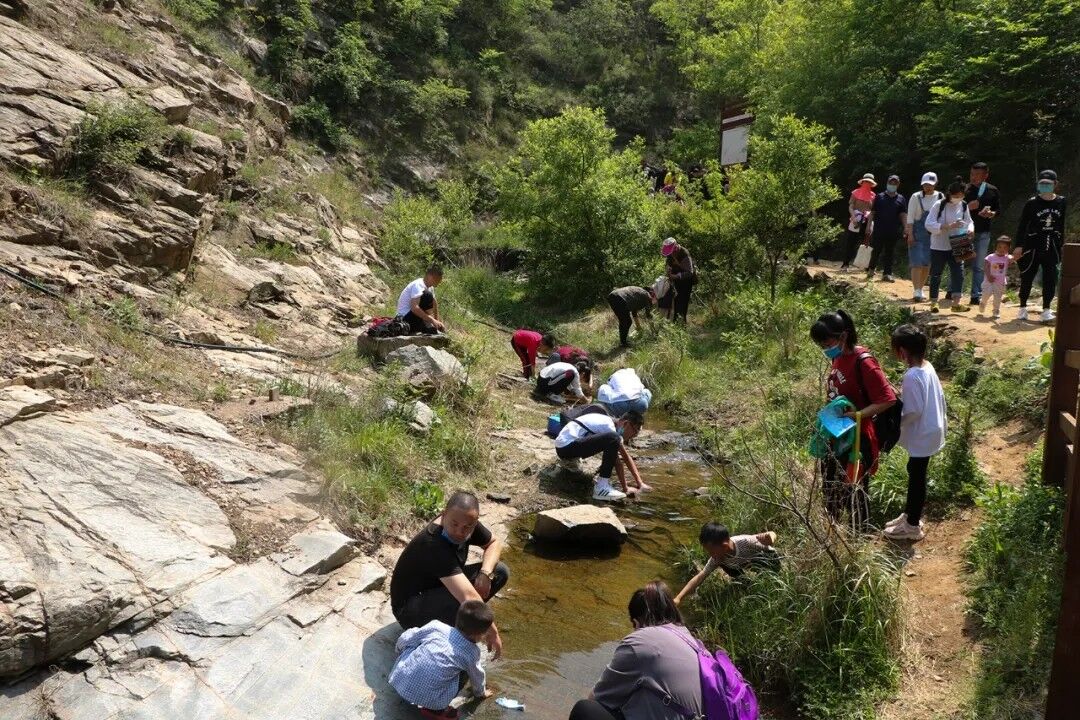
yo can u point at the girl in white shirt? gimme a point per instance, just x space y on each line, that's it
922 427
947 218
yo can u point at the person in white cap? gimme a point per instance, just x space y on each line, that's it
860 206
681 274
918 237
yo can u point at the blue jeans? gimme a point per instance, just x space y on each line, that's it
982 246
640 404
938 260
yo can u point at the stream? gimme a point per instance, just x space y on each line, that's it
564 610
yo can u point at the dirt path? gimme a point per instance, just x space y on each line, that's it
941 652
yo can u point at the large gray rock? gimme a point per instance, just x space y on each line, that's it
18 403
427 367
380 348
581 524
318 551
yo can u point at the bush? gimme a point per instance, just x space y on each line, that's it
1017 568
111 138
314 120
419 229
198 12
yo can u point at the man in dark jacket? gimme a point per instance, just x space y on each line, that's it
1039 241
890 216
984 202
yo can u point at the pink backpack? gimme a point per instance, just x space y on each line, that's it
725 695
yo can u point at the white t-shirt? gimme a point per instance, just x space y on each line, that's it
923 421
939 236
622 385
919 201
412 291
573 431
554 370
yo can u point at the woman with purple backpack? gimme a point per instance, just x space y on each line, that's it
662 672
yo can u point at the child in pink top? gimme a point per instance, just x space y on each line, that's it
995 265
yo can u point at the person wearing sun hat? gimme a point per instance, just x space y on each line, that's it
918 237
860 210
681 274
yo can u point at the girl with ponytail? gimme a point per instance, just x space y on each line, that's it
856 375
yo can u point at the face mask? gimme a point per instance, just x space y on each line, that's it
1045 187
956 200
833 352
892 188
446 537
618 431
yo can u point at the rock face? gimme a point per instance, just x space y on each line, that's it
427 367
580 524
380 348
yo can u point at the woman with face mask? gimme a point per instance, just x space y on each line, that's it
856 375
949 218
1038 242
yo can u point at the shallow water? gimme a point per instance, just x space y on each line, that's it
563 612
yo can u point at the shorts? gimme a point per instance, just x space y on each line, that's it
919 252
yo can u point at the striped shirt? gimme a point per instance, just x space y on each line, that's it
432 659
747 549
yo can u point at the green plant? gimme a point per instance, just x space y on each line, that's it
113 137
427 499
265 331
314 120
195 11
220 392
181 141
418 229
125 313
1017 567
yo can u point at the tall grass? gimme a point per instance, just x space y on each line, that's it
1017 568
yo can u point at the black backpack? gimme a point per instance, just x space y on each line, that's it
886 424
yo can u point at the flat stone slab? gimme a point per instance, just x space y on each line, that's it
18 402
379 348
316 551
580 524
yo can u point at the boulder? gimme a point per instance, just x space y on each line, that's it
171 103
418 414
316 551
580 524
18 403
380 348
424 366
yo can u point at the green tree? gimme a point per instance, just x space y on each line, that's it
580 207
772 203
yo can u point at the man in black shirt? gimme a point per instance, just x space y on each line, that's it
431 580
626 302
1038 242
984 202
890 216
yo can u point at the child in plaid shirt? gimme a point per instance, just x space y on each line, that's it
433 657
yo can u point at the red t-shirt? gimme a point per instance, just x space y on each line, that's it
527 341
569 354
842 380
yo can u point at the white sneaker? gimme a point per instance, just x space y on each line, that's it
574 464
902 517
919 295
557 399
1047 315
1022 315
602 490
905 531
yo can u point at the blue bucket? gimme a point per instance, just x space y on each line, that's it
554 425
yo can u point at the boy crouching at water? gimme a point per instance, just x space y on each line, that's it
731 554
433 657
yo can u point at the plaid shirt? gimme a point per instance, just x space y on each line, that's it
432 658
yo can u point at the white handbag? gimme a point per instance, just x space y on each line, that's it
862 258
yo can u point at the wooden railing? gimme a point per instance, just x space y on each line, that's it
1061 468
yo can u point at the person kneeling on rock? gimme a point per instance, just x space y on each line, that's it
428 672
417 304
431 580
590 431
731 554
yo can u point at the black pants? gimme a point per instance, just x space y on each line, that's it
884 246
417 324
916 488
841 495
683 288
555 386
592 710
622 312
439 604
852 240
592 444
1030 263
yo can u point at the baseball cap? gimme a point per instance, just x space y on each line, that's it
894 177
929 179
1048 175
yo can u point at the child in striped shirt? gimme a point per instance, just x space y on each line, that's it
433 657
731 554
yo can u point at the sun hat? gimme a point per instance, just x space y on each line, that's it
668 247
929 179
868 177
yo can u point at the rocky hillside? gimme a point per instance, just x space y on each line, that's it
156 560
